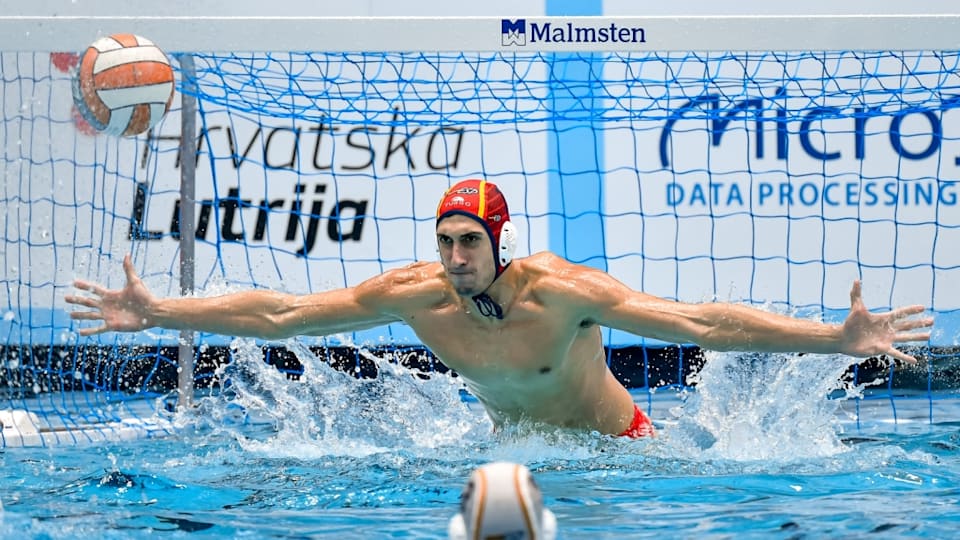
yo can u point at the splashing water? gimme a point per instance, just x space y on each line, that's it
771 408
329 412
760 406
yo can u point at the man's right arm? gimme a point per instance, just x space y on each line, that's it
256 313
269 314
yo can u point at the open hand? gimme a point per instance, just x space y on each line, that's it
868 334
121 310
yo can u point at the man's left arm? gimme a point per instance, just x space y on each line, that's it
725 326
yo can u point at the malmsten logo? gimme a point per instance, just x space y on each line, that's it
516 33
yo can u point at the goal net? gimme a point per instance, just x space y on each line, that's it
769 177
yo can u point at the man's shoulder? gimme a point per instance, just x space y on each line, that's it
403 288
547 264
546 271
544 260
556 282
419 274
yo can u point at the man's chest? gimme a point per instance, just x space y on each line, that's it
524 344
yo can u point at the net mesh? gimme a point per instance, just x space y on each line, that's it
770 178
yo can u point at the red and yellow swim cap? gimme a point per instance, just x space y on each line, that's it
483 201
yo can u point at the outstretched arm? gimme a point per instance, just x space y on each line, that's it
255 313
722 326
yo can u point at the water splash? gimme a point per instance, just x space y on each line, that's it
746 408
760 406
329 412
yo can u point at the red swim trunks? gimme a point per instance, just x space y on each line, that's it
641 425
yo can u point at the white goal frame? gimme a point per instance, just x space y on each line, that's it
348 34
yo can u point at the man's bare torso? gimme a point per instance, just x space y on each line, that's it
539 363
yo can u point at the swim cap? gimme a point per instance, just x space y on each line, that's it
483 201
501 500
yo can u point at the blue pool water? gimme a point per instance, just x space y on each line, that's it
758 450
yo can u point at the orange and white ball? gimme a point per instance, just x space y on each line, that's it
124 85
501 500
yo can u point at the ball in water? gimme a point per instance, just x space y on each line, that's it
124 85
501 500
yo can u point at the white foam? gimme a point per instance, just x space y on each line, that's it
762 407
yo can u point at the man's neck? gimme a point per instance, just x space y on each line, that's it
490 304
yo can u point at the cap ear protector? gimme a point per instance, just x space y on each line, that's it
508 244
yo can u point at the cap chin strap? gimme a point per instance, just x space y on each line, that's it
508 246
487 306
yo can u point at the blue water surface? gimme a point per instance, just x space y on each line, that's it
758 450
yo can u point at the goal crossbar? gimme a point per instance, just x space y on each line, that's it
570 34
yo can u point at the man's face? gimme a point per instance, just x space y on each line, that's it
466 254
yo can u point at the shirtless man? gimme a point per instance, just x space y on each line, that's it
524 334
